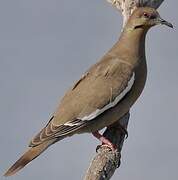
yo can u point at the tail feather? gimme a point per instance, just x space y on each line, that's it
28 156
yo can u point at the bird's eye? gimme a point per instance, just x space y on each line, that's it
146 15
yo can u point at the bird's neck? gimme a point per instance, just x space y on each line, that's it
131 45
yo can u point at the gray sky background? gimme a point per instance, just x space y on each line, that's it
44 47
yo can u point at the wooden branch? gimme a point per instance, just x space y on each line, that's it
106 161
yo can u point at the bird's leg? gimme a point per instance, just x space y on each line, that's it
104 140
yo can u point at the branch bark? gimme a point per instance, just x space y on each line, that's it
107 161
104 164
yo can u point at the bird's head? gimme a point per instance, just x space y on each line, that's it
145 18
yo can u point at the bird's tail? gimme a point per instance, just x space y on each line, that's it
28 156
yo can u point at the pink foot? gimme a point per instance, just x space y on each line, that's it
104 140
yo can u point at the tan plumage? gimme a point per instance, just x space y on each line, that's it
28 156
80 109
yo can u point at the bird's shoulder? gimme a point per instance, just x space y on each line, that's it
109 66
102 83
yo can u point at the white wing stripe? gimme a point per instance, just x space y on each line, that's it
72 124
76 122
112 104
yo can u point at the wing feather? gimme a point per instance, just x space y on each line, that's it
51 131
111 79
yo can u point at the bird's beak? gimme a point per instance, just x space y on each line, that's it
164 22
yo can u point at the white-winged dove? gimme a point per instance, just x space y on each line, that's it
104 93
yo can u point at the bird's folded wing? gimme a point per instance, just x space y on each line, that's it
101 88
